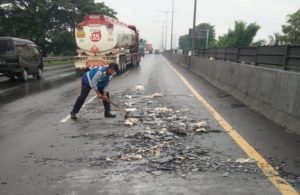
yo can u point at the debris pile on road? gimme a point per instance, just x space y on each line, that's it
161 137
169 152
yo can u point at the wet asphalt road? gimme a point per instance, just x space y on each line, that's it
42 155
52 76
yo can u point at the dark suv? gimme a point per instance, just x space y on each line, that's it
20 57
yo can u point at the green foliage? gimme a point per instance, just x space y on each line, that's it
241 36
185 42
291 30
49 23
201 43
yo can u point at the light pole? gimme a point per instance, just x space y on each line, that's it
166 30
162 34
166 27
194 24
162 37
172 25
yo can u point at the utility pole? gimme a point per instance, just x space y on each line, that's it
162 37
194 24
172 25
166 27
166 30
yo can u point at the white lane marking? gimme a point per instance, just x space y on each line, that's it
64 75
68 117
65 119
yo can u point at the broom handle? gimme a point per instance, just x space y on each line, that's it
117 106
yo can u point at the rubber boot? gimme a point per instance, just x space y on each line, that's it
73 115
107 112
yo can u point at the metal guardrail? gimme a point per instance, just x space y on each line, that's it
287 57
58 58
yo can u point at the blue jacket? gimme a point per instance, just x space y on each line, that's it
96 78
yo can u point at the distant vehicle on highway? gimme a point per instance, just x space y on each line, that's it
20 57
156 51
148 48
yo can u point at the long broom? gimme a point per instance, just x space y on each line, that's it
120 108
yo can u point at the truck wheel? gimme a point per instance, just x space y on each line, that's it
11 77
121 64
39 73
24 75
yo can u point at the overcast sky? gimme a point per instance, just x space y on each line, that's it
146 15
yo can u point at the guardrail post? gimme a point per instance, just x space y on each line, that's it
238 55
216 53
256 54
285 66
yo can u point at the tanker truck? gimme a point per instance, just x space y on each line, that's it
101 40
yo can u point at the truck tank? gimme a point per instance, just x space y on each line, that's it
99 34
102 40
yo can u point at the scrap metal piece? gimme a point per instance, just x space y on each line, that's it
245 160
131 121
153 96
130 157
139 88
162 109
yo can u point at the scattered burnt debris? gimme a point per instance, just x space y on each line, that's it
158 138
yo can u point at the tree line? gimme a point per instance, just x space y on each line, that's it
242 35
49 23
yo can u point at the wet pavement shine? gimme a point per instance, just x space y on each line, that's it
170 144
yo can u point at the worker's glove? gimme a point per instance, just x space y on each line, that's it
105 98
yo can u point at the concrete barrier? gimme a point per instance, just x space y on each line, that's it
271 92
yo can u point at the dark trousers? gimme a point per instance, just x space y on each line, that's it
85 90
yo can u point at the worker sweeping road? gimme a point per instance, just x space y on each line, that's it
97 79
